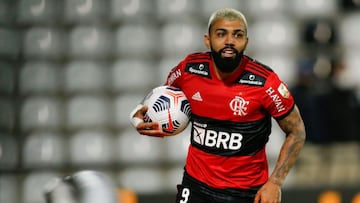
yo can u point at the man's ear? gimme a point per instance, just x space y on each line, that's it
207 40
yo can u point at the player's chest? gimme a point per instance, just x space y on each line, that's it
229 102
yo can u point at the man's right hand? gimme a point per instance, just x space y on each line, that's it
146 128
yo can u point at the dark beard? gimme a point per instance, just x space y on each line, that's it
226 65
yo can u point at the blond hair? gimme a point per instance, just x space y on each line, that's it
228 14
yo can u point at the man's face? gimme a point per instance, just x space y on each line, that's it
227 38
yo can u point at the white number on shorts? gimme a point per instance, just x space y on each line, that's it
185 194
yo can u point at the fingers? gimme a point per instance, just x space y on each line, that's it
151 129
267 196
257 198
146 128
141 112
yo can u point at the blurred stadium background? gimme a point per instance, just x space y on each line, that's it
71 71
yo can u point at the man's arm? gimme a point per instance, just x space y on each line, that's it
293 127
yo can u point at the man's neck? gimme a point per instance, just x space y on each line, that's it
223 75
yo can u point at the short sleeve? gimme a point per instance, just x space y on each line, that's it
174 77
278 100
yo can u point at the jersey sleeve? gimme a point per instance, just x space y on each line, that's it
278 100
175 76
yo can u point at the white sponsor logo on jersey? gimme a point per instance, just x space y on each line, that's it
197 96
239 106
217 139
276 98
174 75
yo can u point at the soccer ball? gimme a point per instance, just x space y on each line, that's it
169 107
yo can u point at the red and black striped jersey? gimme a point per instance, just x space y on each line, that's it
231 119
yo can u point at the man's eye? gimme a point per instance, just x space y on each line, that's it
220 34
238 35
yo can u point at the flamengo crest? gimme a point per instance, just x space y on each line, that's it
239 106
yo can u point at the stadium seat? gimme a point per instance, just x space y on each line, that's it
177 146
349 30
85 11
262 9
41 113
313 166
173 177
309 8
207 7
274 144
131 10
91 148
87 111
344 168
10 188
43 150
123 105
142 180
131 148
320 32
10 42
7 77
8 12
284 64
44 43
165 64
9 149
189 38
133 40
39 77
349 5
88 41
34 184
37 11
85 76
8 113
278 34
132 75
175 9
350 77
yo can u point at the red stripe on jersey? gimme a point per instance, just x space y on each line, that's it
221 172
199 56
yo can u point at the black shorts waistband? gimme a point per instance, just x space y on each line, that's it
219 193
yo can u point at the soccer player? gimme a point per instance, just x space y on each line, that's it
233 98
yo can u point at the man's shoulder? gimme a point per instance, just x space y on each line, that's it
198 56
254 73
257 67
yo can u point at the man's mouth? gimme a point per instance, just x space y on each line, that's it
228 53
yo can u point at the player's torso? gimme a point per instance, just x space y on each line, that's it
228 117
231 120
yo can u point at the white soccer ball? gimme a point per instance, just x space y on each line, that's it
169 107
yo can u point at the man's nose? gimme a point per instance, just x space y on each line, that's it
229 39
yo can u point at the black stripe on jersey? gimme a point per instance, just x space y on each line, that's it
258 71
259 68
227 138
264 66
